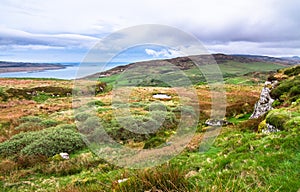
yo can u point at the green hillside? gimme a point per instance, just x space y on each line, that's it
38 124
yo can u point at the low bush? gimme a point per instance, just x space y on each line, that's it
3 95
49 123
47 142
154 142
292 71
29 126
41 97
82 116
287 90
31 119
95 103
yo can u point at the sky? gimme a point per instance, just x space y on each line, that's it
66 30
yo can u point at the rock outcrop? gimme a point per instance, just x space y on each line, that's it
270 129
264 104
216 122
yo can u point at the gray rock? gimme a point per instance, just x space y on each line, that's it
216 122
264 104
270 129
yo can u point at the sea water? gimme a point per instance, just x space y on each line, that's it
71 71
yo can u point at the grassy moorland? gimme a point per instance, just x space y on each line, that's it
37 123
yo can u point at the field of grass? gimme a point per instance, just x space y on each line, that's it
37 124
233 73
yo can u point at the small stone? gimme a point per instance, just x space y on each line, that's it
64 155
122 180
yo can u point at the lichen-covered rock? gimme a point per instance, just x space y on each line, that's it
216 122
270 129
264 104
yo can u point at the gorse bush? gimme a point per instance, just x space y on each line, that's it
47 142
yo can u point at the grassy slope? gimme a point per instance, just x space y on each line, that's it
233 72
240 159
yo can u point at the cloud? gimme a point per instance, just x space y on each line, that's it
165 53
234 26
12 37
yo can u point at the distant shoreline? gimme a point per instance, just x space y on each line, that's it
10 67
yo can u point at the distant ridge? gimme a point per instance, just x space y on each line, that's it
8 67
185 63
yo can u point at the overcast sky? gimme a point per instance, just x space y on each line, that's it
64 30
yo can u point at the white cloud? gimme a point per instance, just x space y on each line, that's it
234 26
18 38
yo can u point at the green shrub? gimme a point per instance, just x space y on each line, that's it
154 142
29 126
3 94
278 118
89 125
49 123
292 71
102 109
95 103
58 140
82 116
287 90
41 97
47 142
67 126
157 107
295 90
276 103
31 119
